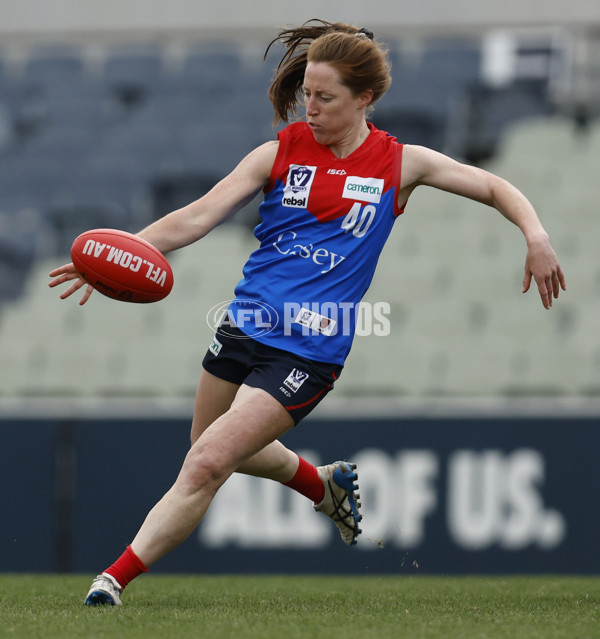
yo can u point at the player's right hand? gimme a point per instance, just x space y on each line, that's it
66 273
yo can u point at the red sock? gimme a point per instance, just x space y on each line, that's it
127 567
306 481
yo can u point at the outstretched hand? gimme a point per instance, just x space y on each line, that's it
66 273
542 265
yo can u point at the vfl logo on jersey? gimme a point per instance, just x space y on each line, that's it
295 379
363 189
297 186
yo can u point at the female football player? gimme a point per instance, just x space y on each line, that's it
333 188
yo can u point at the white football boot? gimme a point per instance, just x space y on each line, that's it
341 499
105 591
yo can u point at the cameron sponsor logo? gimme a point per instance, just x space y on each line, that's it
252 317
319 255
297 186
363 189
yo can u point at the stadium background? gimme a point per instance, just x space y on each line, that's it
475 421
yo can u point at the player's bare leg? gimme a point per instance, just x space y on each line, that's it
333 488
254 421
223 412
214 397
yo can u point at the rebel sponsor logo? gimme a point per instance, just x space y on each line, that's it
298 185
295 202
295 379
363 189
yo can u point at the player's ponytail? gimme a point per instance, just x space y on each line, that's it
361 62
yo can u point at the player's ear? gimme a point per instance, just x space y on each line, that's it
365 98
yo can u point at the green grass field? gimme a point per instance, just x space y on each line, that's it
264 607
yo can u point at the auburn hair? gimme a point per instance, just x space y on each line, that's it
361 62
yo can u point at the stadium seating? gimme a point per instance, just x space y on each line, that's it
54 65
130 73
138 133
492 111
426 91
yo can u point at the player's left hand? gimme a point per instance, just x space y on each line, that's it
542 265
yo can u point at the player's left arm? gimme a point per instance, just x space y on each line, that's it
422 166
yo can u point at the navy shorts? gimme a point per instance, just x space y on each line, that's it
299 384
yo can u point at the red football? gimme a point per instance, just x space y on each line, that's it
122 266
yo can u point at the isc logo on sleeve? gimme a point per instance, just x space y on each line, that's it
297 186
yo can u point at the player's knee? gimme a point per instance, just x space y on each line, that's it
202 470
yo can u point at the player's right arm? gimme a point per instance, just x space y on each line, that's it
193 221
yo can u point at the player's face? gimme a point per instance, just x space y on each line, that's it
333 112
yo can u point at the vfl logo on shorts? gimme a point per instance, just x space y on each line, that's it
295 379
297 186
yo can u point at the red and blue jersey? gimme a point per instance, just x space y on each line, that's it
324 222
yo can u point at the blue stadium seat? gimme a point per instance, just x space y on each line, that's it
167 111
210 75
64 144
208 147
23 101
56 71
7 131
18 250
455 65
54 67
32 176
123 181
116 189
425 90
24 225
70 218
411 126
91 109
131 64
130 74
491 111
144 142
